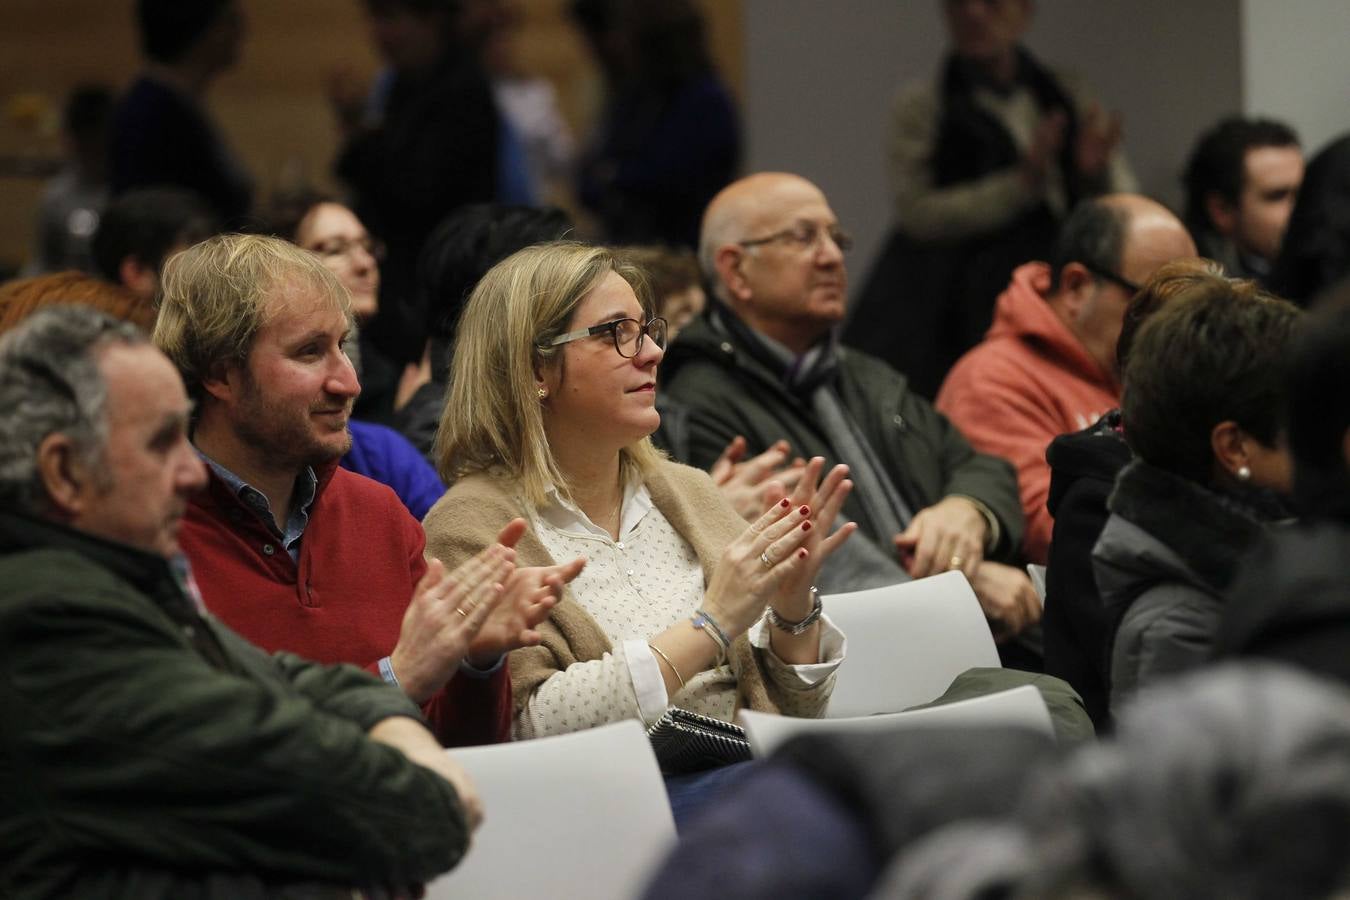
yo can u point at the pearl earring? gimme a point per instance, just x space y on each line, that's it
543 392
1244 473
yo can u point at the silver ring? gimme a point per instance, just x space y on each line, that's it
764 558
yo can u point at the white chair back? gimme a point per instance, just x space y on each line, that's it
578 815
1021 706
906 643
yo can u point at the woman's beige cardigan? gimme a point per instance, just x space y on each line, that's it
471 513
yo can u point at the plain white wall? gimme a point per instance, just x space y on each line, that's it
1296 67
820 77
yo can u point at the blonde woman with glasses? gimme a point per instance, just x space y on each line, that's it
551 403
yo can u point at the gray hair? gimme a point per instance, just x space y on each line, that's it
50 383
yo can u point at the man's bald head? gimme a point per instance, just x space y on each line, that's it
770 247
1106 249
1127 235
738 208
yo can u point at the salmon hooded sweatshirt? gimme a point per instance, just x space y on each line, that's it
1028 382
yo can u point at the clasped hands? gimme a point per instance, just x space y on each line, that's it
776 559
483 609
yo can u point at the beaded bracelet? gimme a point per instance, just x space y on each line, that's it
708 625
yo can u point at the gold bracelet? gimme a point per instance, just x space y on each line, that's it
661 653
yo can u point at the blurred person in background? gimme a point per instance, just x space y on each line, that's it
1315 255
986 161
669 137
1241 181
426 143
73 200
141 229
161 132
459 252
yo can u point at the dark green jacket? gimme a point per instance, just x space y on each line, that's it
727 391
147 751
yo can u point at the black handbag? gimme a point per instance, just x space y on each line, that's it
685 741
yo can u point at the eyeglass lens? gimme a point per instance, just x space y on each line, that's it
628 335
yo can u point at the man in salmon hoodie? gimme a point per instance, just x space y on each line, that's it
1048 363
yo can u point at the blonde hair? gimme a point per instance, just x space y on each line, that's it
213 299
493 421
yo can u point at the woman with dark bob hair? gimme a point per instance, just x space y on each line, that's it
552 400
1201 412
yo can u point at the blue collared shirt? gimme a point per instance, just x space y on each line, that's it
306 483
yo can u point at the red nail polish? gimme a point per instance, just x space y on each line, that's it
801 554
784 504
806 526
805 510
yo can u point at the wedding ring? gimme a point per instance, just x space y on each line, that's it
764 558
461 612
955 563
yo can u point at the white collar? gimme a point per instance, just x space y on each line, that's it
566 516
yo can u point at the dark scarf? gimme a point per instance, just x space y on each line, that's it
810 378
972 143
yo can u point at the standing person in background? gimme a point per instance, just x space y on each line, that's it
161 134
1241 182
985 163
429 146
669 137
74 199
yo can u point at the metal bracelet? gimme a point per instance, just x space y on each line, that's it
795 628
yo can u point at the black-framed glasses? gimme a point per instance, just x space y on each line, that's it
1108 275
627 334
804 236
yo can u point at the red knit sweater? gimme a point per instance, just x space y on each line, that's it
360 557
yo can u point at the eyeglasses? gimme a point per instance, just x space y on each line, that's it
332 249
804 236
1107 274
627 335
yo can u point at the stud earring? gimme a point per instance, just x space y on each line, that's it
1244 473
543 392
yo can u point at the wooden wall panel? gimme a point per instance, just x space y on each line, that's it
272 106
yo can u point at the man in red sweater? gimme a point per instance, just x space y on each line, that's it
297 554
1048 363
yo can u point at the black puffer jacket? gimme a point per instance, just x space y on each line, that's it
1083 470
1164 561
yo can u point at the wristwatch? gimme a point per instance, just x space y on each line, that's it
795 628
